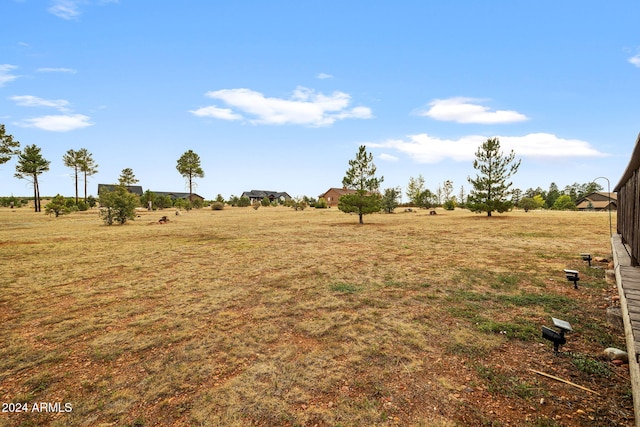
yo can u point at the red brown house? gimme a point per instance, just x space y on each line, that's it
333 195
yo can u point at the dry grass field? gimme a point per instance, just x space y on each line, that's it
273 317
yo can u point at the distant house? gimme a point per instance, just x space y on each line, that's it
333 195
598 201
176 195
135 189
258 195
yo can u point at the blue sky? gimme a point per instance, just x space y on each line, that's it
279 95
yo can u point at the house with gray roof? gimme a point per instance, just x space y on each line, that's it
258 195
134 189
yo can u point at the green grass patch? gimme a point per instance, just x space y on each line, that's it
344 288
590 365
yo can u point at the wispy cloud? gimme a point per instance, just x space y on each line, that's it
70 9
6 74
324 76
635 60
57 70
58 123
305 107
34 101
388 157
216 113
65 9
468 110
425 148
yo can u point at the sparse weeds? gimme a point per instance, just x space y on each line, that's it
590 365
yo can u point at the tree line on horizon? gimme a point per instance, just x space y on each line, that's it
491 189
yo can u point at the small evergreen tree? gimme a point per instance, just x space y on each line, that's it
118 206
361 176
57 206
490 187
391 199
415 188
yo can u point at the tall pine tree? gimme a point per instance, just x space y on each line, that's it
490 187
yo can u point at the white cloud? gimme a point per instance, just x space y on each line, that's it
34 101
58 123
57 70
388 157
65 9
70 9
5 74
216 113
323 76
424 148
304 107
635 60
467 110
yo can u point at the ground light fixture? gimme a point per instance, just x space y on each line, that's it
556 337
572 276
586 257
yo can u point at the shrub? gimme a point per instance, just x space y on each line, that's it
243 202
564 203
449 205
91 201
118 205
265 201
297 204
527 203
11 201
321 203
57 206
82 206
217 206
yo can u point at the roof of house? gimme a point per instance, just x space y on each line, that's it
261 194
175 194
598 200
135 189
340 191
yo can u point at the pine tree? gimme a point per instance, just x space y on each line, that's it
73 159
361 177
189 167
8 147
127 177
30 165
490 187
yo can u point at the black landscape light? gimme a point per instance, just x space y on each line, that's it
556 337
572 276
586 257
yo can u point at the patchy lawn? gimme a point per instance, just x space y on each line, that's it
274 317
